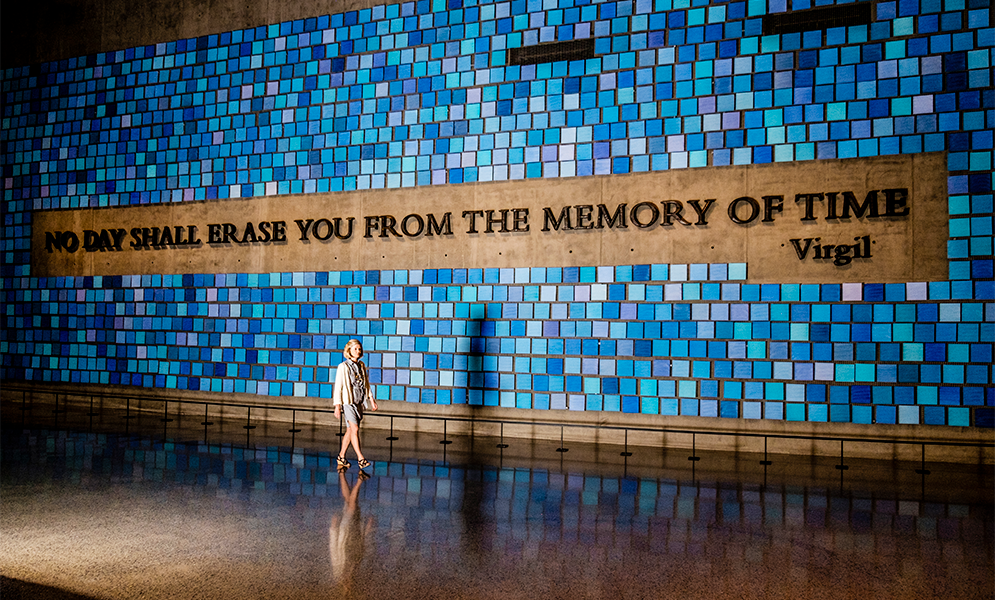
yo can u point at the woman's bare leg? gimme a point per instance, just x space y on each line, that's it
345 440
354 434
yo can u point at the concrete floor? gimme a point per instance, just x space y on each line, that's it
105 507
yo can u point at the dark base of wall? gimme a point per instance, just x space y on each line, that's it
882 442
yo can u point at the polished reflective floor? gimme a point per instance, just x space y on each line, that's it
108 507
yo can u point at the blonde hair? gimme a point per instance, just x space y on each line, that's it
349 345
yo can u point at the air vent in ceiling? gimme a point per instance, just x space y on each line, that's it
841 15
552 52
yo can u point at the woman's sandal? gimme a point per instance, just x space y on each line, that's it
342 462
363 463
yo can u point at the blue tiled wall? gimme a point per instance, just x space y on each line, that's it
419 93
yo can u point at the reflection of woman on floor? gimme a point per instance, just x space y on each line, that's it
347 534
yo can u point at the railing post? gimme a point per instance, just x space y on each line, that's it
841 466
923 470
293 423
694 448
502 444
626 451
392 437
562 448
127 410
91 413
248 413
445 437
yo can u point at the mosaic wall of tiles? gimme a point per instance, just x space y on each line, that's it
422 93
653 339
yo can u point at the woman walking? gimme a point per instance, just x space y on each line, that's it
350 395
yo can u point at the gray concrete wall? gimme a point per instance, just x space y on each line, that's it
639 218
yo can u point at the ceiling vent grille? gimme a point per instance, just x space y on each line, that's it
830 17
552 52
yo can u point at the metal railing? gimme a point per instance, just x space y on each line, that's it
562 425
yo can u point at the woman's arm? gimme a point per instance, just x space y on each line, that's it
339 387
